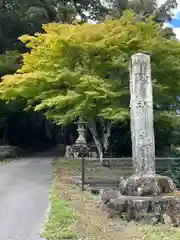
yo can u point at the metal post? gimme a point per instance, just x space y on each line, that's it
82 168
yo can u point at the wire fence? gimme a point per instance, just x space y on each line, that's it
110 170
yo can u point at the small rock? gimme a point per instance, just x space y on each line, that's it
151 220
129 215
109 194
157 210
146 185
122 184
167 219
117 206
165 184
173 211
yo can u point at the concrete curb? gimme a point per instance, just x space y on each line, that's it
46 218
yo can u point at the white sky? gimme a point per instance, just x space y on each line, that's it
163 1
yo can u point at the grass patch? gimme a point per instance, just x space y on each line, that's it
67 164
61 220
78 215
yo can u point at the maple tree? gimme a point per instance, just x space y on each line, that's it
82 70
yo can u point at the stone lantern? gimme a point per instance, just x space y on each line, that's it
80 147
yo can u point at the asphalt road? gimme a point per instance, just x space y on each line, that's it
24 190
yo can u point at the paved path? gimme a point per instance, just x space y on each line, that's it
24 189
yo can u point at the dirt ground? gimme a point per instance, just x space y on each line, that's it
93 223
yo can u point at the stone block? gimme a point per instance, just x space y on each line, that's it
146 185
151 210
117 205
108 194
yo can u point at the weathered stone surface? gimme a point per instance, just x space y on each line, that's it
69 152
156 208
108 194
146 185
165 209
172 210
122 184
117 205
167 219
141 208
165 184
141 105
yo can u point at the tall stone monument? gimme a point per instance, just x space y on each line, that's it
145 195
144 180
141 104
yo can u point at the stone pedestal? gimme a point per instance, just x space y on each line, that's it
146 185
148 199
150 209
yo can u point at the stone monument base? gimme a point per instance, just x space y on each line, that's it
145 209
144 198
146 185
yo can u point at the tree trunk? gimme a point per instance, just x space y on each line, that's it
105 133
96 138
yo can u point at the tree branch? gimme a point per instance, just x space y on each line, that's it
82 15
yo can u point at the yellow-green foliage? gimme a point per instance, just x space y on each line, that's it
83 69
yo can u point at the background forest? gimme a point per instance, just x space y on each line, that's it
21 126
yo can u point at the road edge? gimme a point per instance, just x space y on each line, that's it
46 218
